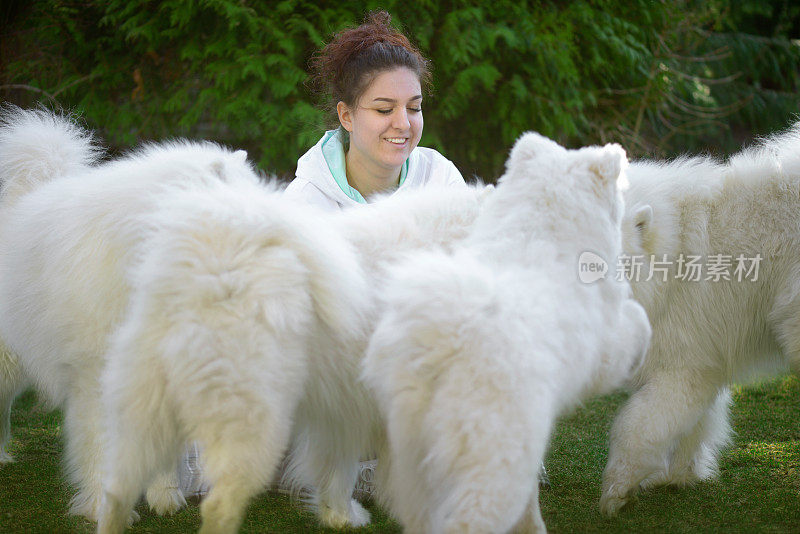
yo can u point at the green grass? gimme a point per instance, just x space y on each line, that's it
758 489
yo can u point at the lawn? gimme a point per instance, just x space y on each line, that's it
758 489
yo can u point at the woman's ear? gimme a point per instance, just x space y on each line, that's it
345 116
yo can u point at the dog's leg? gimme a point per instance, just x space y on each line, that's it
239 463
487 491
83 449
134 456
223 508
337 508
329 461
243 425
696 454
531 521
143 443
164 495
478 504
647 429
6 400
10 385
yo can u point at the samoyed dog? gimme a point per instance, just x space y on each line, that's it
197 306
163 297
718 247
338 422
314 367
479 351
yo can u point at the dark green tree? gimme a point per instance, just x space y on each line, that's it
659 77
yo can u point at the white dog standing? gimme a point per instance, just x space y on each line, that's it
209 307
338 421
309 370
186 282
480 350
741 222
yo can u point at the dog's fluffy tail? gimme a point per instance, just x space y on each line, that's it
38 145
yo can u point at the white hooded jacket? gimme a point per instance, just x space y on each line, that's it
315 183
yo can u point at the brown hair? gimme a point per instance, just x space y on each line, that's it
347 65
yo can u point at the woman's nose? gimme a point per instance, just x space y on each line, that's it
400 120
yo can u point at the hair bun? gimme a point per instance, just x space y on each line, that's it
378 18
343 69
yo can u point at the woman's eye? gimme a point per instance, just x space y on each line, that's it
384 111
415 110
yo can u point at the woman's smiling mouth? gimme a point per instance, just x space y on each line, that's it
397 140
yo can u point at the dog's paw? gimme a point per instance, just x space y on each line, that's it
611 501
165 500
610 506
87 504
333 518
6 458
356 516
133 518
103 526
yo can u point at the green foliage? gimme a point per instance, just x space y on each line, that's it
659 77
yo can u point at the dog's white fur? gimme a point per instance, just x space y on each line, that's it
314 366
338 422
34 146
154 298
479 351
212 309
225 304
706 334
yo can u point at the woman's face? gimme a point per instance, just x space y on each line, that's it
386 124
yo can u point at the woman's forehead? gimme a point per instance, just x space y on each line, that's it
394 85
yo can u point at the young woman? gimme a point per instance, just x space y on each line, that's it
374 79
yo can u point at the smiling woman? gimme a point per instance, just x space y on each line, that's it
384 128
374 79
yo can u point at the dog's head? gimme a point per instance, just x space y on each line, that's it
572 183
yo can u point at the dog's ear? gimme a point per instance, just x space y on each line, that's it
485 193
218 166
530 146
608 163
642 219
642 234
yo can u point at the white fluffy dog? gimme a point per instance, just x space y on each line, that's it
213 310
164 296
310 369
479 351
708 331
338 421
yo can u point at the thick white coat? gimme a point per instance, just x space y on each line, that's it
479 350
169 296
338 421
153 298
707 334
